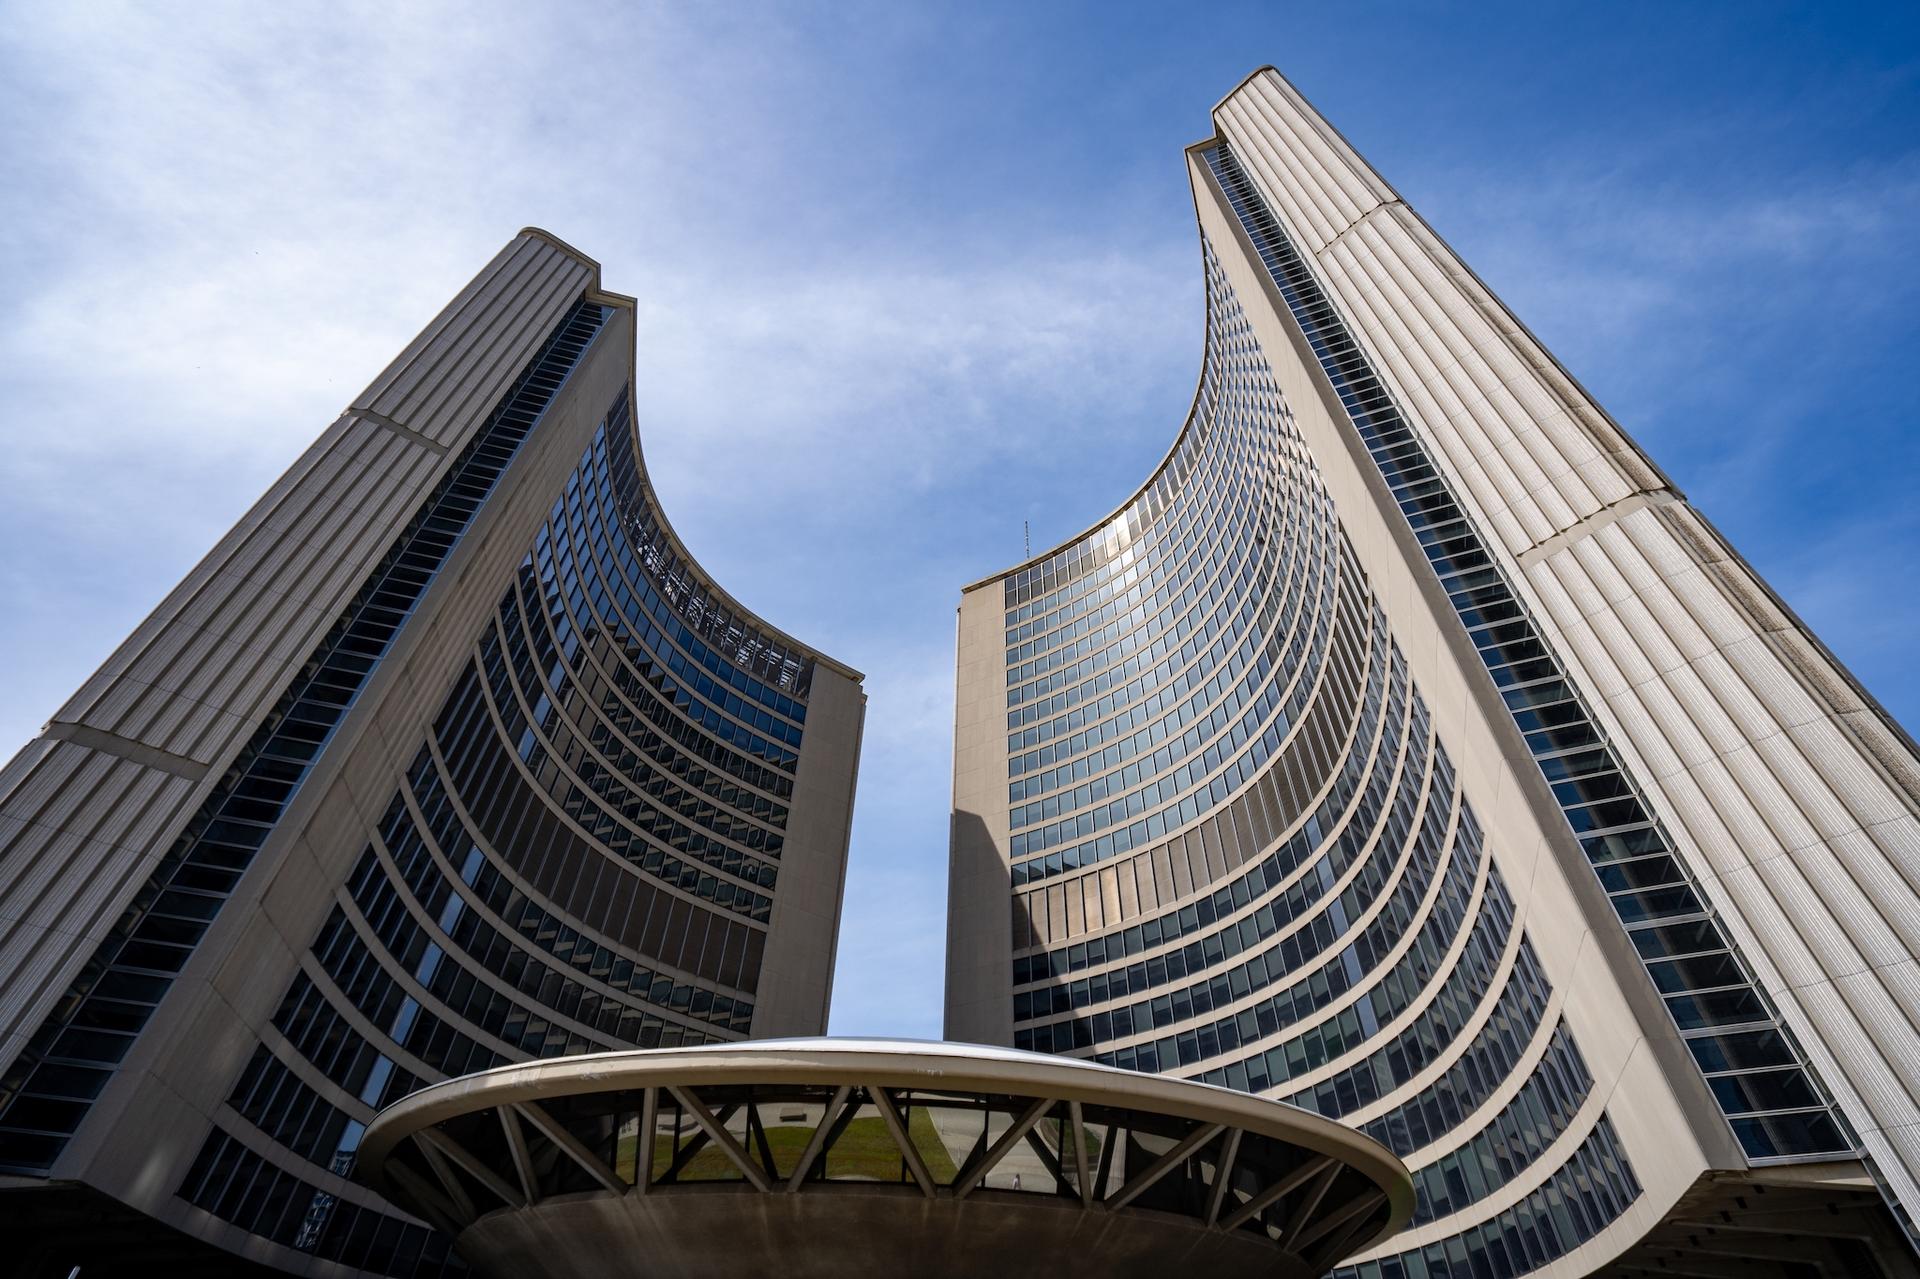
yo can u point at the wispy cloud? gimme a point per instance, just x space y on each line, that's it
1601 258
236 221
1738 319
908 278
226 225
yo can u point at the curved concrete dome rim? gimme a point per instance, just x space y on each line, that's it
889 1062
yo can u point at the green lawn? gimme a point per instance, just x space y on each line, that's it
865 1151
1058 1134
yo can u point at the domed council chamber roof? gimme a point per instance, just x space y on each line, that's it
850 1157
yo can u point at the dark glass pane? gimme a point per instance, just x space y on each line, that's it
1655 903
1697 972
1717 1008
1686 937
1766 1090
1644 872
1804 1133
1742 1050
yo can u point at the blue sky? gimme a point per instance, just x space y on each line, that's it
911 275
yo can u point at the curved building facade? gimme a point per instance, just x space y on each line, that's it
1407 749
448 756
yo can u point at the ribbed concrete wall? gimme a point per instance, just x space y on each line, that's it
89 807
1644 1084
622 859
177 1081
1451 956
1792 793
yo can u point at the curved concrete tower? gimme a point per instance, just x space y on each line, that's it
447 756
1409 749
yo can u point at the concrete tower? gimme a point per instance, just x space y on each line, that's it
1408 748
448 755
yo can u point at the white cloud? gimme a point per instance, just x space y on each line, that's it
225 220
909 372
1607 256
220 220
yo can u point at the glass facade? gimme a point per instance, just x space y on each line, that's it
1234 839
582 855
1761 1079
1239 849
1583 1196
49 1088
236 1184
556 824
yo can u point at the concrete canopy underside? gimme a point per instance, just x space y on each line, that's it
1807 1221
843 1232
871 1157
